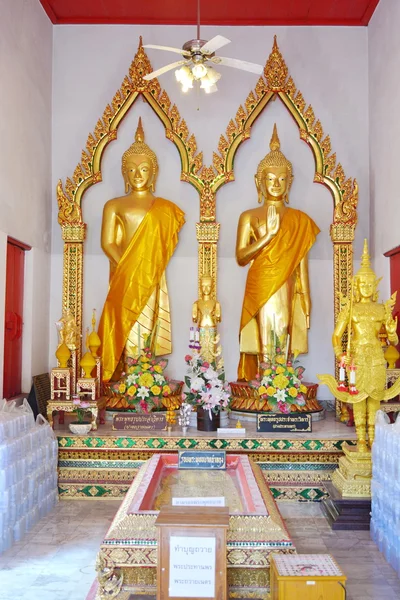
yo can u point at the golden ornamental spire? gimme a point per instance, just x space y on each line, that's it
139 135
365 268
274 143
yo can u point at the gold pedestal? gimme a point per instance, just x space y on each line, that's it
88 385
61 383
353 478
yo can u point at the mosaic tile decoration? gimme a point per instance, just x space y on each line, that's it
306 565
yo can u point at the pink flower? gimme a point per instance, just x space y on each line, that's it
284 407
206 365
188 358
278 350
76 401
143 406
85 404
273 367
203 369
183 396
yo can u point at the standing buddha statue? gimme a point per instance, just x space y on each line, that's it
363 318
139 235
274 239
206 312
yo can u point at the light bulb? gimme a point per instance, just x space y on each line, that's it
187 85
199 71
183 74
212 75
211 89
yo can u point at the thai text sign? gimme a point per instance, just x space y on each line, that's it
281 423
195 501
192 567
202 459
139 421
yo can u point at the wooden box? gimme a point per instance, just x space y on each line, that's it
306 576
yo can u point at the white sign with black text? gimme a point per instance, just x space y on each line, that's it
210 501
192 567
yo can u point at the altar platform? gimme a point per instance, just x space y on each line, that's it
103 463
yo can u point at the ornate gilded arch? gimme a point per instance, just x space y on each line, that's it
275 82
88 171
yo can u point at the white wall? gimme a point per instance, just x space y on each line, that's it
329 65
25 166
384 100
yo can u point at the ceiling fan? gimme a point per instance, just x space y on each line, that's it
197 56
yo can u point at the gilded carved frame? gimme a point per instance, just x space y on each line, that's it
275 82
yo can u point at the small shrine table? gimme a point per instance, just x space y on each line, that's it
96 407
311 576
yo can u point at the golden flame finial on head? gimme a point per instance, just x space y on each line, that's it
140 147
275 158
139 135
275 143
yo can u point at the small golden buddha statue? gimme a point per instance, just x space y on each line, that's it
139 234
274 239
363 317
206 312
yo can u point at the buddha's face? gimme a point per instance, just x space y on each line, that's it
139 172
275 181
367 285
206 286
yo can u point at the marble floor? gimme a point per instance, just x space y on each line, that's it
55 561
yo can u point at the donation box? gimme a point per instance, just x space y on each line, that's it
192 552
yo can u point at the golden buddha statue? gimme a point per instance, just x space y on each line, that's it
274 239
139 235
206 312
363 317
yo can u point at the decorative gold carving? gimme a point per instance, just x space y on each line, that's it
207 180
109 577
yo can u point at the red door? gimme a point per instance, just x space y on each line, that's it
13 319
395 282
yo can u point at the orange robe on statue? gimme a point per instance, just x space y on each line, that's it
271 268
136 276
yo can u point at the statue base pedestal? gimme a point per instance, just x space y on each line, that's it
346 513
353 478
245 398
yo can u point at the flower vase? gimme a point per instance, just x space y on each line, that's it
205 422
80 428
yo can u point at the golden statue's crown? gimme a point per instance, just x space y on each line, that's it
365 268
140 147
275 158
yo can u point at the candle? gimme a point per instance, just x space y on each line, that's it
191 334
353 375
287 347
197 335
342 374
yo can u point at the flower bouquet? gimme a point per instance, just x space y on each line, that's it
279 382
206 385
144 383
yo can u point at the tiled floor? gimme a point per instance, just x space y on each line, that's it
55 561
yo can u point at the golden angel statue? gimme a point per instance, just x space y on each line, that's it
362 316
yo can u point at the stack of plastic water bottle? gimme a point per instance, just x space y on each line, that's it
28 471
385 488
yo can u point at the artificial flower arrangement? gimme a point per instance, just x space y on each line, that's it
279 380
144 383
80 407
206 385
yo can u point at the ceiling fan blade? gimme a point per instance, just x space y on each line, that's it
168 49
214 44
237 64
155 74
